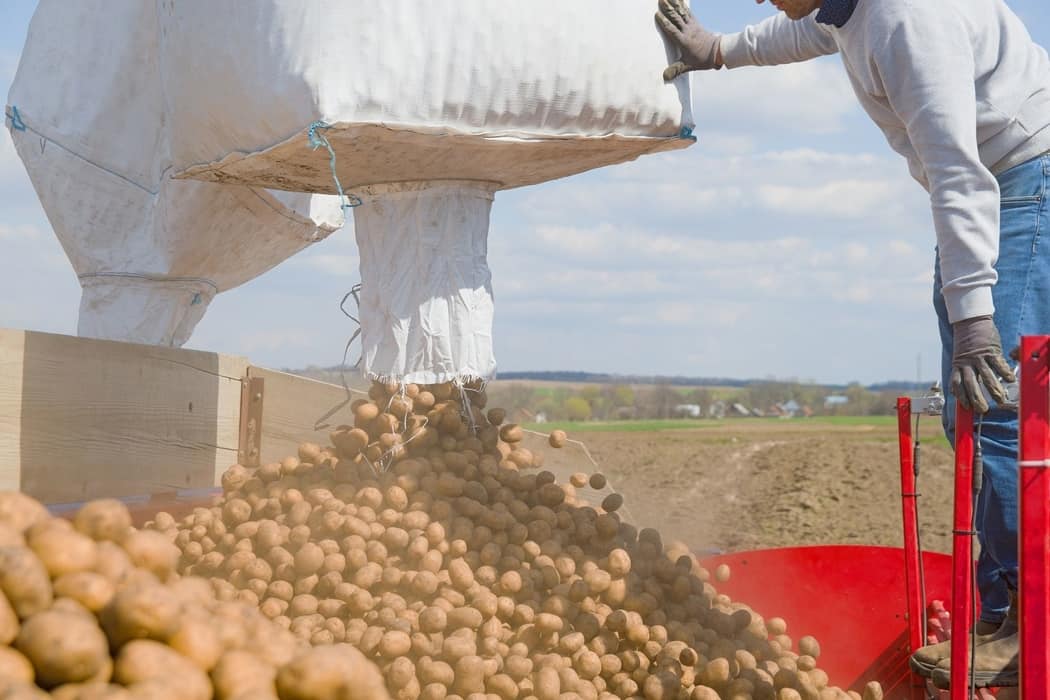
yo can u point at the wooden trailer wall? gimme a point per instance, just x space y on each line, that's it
82 418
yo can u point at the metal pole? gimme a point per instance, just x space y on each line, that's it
1034 536
909 512
962 556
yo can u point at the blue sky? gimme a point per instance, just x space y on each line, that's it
789 242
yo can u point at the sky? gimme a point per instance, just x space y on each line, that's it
788 243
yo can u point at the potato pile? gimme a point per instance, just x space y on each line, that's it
425 538
93 610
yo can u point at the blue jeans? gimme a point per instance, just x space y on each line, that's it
1022 307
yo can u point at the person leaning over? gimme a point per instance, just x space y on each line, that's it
960 90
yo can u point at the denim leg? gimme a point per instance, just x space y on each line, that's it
1022 307
991 584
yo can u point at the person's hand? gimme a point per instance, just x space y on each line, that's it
978 361
699 46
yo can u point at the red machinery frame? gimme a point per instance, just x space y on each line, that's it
913 580
1034 535
963 564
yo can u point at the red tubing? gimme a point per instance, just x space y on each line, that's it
909 511
1034 485
962 556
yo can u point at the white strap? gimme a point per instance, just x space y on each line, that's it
1042 463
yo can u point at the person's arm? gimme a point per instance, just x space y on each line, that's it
926 67
927 70
775 41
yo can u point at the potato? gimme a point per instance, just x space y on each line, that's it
511 432
152 552
63 648
15 690
141 612
15 666
103 520
612 502
64 551
557 438
8 621
337 672
20 511
24 581
597 481
145 661
873 691
90 589
808 646
198 641
240 672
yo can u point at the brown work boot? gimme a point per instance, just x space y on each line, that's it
995 660
926 659
995 664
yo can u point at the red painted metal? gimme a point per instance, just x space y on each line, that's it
916 612
849 597
1034 485
962 555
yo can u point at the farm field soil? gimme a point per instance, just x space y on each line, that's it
743 484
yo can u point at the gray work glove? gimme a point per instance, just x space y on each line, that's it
978 360
699 46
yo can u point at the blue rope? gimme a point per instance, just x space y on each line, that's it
16 119
346 201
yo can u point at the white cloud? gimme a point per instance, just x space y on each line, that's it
809 98
852 199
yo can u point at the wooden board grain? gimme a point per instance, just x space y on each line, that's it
11 343
98 418
297 410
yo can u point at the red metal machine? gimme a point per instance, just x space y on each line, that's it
1034 484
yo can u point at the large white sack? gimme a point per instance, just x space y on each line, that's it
150 251
514 93
429 108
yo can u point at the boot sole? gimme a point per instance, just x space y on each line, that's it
921 668
982 679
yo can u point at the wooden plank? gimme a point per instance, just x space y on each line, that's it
101 418
294 411
11 343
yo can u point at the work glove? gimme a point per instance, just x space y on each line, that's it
978 360
699 46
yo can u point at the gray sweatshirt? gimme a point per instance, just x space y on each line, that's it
960 90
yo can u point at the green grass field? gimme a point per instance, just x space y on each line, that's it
687 424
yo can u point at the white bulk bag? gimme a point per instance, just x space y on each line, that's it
428 108
87 118
424 109
509 92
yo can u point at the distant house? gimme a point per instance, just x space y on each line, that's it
688 410
788 409
717 410
757 413
835 400
740 409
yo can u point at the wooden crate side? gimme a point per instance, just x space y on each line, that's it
101 418
294 411
11 354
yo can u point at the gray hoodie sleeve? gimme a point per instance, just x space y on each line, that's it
777 40
926 66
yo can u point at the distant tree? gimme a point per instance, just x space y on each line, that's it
577 409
